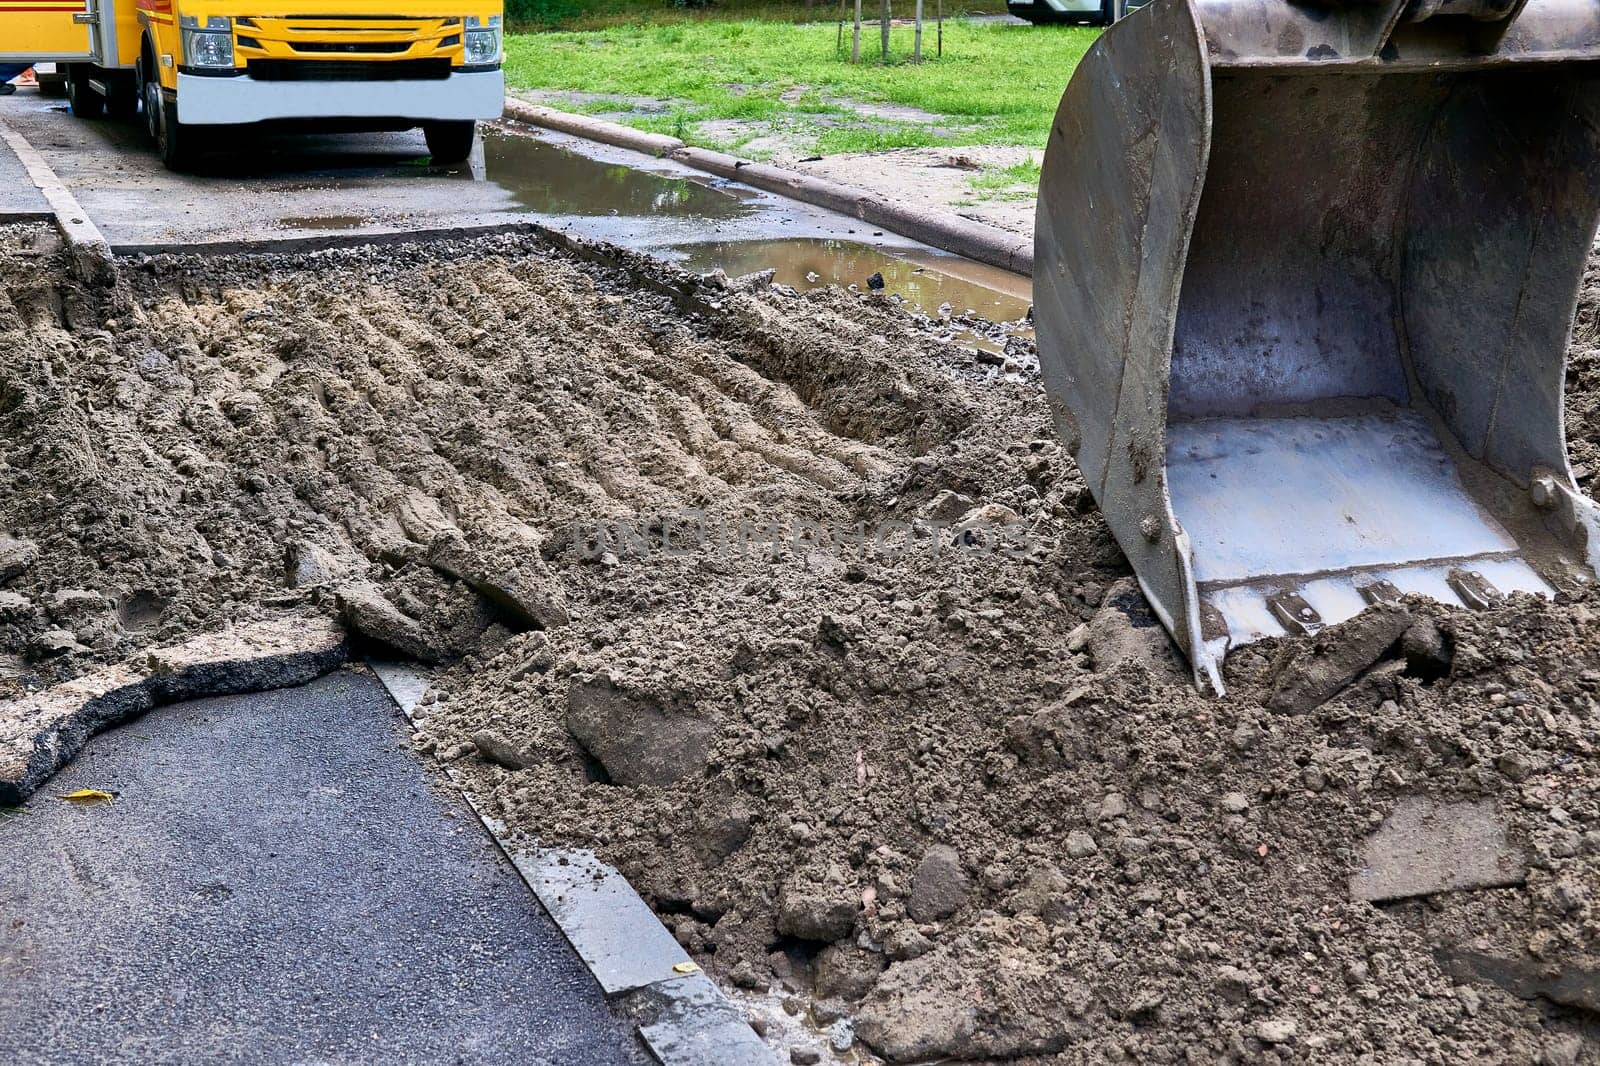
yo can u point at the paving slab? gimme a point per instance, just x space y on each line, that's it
278 879
1425 847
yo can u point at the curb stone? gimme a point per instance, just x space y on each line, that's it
941 229
42 731
91 255
682 1017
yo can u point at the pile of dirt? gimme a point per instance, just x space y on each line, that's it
806 622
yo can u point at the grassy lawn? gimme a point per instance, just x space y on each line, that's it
602 14
750 85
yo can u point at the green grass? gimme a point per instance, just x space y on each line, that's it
994 84
1020 181
603 14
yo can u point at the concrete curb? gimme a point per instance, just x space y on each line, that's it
681 1016
91 255
986 244
43 731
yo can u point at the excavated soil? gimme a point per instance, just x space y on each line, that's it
800 616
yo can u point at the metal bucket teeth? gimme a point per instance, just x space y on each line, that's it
1304 279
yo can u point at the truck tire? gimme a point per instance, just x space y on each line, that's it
82 100
174 140
449 142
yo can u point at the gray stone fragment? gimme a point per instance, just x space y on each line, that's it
815 910
1337 656
15 557
369 612
1125 628
1425 847
939 886
634 739
496 749
523 588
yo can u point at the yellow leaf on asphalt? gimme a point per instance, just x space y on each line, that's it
88 795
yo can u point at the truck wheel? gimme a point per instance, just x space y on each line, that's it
174 140
83 101
449 142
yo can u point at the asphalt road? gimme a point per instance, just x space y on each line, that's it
279 880
262 187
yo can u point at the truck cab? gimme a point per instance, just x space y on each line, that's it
194 65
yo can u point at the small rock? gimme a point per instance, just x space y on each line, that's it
806 1056
1113 806
1515 766
1080 844
1125 628
496 749
14 607
723 832
844 971
906 942
1235 802
70 603
810 910
744 975
1277 1030
755 281
637 741
939 886
947 506
16 556
369 612
827 1011
306 565
1425 847
1311 676
1427 650
53 642
875 281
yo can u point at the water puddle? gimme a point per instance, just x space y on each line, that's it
553 181
925 280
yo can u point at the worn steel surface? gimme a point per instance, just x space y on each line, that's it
1304 280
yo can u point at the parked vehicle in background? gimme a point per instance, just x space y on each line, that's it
193 64
1073 12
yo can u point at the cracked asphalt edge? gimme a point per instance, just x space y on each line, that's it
680 1014
42 731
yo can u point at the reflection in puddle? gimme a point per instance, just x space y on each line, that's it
554 181
926 280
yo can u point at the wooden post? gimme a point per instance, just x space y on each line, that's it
883 24
916 39
939 14
855 44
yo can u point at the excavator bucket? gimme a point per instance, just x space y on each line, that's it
1304 279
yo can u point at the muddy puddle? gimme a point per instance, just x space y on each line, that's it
927 281
707 223
547 179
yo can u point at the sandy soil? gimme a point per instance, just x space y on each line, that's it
802 618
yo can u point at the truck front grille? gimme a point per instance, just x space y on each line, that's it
338 70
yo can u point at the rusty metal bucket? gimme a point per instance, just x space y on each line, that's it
1304 279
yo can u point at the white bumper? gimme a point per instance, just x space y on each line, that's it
207 101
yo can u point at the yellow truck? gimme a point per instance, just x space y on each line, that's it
190 65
